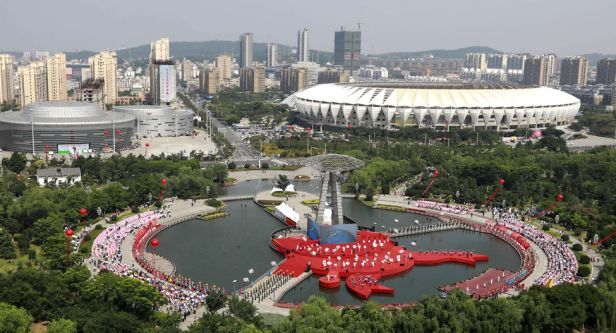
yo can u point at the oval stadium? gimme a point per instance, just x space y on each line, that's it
391 105
64 126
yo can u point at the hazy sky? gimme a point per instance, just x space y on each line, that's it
566 27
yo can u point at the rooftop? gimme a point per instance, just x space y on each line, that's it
58 172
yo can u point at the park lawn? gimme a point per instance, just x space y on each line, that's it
8 265
280 194
311 202
369 203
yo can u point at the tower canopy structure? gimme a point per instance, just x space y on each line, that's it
332 166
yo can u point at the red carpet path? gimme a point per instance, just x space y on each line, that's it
372 256
488 283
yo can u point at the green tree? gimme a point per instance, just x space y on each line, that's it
215 300
315 316
62 326
282 181
16 163
14 319
244 310
125 294
7 248
46 227
368 318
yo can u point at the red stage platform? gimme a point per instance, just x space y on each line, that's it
373 254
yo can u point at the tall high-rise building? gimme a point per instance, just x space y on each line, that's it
187 70
476 61
32 83
272 55
56 77
224 65
162 73
497 61
246 50
91 91
208 81
6 78
252 79
347 49
41 55
573 71
159 50
292 79
303 51
333 76
550 60
536 71
606 71
516 61
103 67
162 82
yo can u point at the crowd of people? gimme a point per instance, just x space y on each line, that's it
449 208
266 287
80 237
183 295
562 263
362 280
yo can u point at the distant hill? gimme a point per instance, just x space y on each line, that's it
593 58
443 54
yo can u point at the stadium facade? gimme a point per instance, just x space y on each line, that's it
60 126
391 105
158 120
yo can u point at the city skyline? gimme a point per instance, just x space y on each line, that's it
416 27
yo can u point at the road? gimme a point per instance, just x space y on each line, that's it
243 151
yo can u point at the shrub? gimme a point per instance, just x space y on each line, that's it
134 209
247 166
545 227
114 218
98 227
213 202
583 271
231 166
585 260
577 232
264 165
565 238
577 247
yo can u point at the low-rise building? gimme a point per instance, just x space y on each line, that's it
58 176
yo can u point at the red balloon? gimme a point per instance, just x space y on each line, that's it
69 233
502 182
83 212
105 132
164 181
147 145
560 197
154 242
436 173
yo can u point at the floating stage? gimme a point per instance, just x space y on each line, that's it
362 263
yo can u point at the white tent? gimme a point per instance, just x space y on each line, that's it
284 211
276 189
289 188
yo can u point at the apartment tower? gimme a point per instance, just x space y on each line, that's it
103 67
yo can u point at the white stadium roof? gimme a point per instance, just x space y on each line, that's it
434 95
